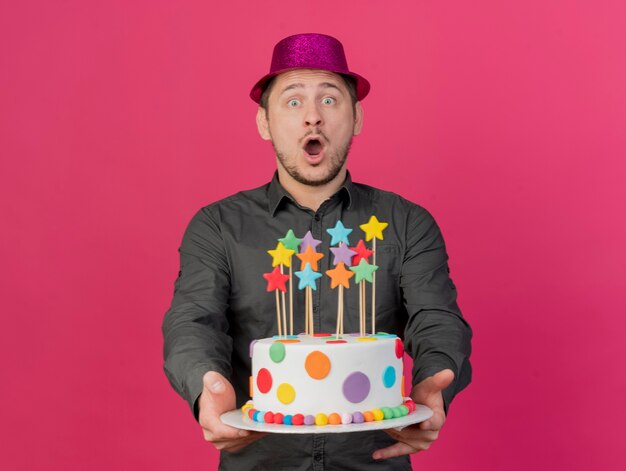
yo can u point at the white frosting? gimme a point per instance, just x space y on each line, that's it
326 395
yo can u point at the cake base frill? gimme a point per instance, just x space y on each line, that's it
384 413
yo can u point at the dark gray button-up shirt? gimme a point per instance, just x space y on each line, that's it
221 304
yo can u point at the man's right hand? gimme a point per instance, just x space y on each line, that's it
217 397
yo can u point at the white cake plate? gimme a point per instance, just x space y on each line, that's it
235 418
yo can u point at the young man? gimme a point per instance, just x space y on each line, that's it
309 108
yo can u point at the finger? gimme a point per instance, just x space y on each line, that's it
251 436
217 396
410 435
435 423
397 449
443 379
237 444
246 441
213 430
432 386
217 392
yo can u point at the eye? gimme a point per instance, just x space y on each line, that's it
293 103
328 100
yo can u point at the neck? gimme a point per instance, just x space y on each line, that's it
310 196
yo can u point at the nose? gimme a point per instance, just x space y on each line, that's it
312 116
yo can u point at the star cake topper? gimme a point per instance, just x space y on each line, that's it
276 280
373 228
364 271
311 257
307 241
290 241
307 277
343 254
281 255
362 252
339 233
340 276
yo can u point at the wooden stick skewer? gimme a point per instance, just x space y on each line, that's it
284 314
290 302
311 309
306 312
374 291
282 295
278 312
362 308
338 312
341 315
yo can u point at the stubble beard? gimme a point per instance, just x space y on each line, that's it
337 160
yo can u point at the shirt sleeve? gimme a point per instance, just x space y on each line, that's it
436 335
195 326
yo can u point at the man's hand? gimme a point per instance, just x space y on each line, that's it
218 396
420 436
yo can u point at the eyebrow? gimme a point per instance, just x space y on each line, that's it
293 86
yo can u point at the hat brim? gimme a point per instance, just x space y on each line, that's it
362 85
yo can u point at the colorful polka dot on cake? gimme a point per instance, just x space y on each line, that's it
399 348
285 393
385 335
389 376
264 380
277 352
356 387
317 365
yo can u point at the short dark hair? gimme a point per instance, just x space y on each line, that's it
348 80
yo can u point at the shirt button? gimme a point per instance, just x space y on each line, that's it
317 217
317 457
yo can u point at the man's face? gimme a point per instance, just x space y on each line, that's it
310 121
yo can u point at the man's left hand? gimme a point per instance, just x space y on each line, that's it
418 437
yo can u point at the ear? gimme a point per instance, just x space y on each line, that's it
262 125
358 118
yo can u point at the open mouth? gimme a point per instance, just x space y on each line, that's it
313 147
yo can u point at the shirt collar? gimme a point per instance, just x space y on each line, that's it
276 193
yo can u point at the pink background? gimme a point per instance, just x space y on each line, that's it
119 119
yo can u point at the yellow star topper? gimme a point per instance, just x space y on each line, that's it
281 255
373 228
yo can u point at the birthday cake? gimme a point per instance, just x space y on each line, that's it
322 378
